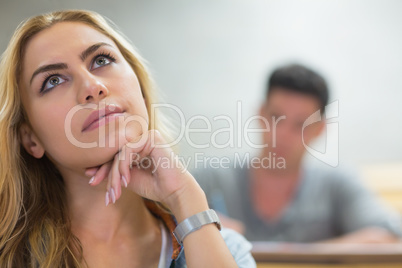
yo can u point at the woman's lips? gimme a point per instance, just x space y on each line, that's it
101 117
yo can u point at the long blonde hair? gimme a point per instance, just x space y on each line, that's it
34 225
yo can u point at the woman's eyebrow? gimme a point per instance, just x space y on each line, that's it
60 66
46 68
92 49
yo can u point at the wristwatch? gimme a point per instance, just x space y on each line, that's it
194 223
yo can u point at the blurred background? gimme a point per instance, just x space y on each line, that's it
208 55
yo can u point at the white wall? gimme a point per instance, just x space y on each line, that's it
206 55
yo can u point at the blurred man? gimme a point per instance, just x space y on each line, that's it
299 203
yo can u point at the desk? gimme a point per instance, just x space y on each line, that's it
286 255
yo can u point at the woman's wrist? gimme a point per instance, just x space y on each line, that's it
188 201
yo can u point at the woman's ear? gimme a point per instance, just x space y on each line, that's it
30 142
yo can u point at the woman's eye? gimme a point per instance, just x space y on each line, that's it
100 61
52 82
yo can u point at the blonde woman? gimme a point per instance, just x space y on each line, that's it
75 131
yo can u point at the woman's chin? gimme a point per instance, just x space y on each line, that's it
107 147
101 155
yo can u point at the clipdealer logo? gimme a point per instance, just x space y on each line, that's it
236 130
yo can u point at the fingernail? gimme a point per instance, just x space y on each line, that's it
112 194
107 199
124 181
91 180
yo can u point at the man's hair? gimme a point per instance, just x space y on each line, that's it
299 79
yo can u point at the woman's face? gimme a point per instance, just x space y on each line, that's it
73 76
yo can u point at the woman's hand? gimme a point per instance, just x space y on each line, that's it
149 170
156 174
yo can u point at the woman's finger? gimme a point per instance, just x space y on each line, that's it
126 160
90 172
100 174
114 185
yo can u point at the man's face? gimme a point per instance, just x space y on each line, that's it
286 111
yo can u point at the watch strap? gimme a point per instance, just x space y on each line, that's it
194 223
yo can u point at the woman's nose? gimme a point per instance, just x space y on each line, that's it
92 90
